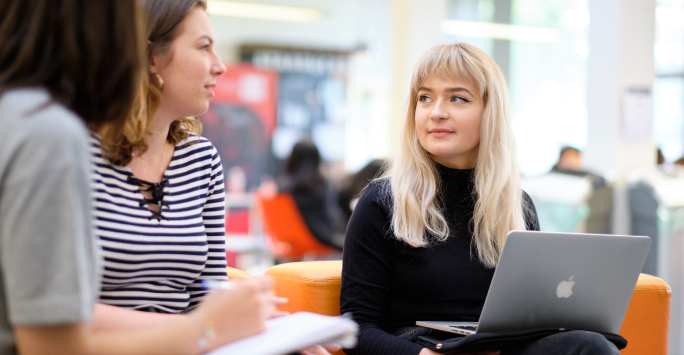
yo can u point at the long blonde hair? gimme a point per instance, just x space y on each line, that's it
415 182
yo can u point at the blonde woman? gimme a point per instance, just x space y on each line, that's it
424 239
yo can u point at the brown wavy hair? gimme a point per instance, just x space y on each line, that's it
90 63
163 19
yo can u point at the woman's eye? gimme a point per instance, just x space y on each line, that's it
423 98
459 99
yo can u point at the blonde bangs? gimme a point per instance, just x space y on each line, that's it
454 63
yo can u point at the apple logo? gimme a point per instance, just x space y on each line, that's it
564 289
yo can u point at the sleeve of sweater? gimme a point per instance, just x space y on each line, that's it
368 260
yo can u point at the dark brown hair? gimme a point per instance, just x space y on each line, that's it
87 54
163 25
304 167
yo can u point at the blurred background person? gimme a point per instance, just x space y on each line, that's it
354 184
315 199
570 163
569 159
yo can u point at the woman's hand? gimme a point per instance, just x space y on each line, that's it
239 312
279 301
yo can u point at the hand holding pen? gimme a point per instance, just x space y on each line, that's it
232 311
228 285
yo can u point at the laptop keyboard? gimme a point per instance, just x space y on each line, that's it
466 327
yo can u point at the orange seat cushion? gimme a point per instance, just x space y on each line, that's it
311 286
647 322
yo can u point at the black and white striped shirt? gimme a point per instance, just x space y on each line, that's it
159 262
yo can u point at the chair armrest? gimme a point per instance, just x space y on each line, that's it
235 274
311 286
647 322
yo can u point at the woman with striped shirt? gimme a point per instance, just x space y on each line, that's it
159 193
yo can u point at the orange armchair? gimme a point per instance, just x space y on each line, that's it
290 237
314 286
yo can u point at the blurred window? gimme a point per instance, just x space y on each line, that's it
668 87
542 49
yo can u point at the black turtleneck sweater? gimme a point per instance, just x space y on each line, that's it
387 284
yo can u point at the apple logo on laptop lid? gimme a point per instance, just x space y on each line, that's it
564 289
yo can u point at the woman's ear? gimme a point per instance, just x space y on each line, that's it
154 67
154 64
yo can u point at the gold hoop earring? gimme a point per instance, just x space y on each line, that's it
160 81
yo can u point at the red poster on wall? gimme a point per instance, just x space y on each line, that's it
241 119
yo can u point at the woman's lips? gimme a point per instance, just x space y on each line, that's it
440 132
210 87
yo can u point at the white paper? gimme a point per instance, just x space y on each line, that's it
637 112
291 333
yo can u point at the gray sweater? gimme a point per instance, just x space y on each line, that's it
47 261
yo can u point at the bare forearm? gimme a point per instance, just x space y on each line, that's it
178 336
223 317
107 318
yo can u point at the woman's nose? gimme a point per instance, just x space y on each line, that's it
439 112
217 68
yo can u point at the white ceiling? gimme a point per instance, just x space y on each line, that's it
344 26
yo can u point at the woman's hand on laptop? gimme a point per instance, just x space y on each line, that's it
427 351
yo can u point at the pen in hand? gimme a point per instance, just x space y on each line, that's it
217 285
228 285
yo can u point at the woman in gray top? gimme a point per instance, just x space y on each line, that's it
62 64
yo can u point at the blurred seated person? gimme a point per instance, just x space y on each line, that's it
570 163
569 159
312 193
354 185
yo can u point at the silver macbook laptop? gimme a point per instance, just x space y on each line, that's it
559 280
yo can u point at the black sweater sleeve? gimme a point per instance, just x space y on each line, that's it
368 260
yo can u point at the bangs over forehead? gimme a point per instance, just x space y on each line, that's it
459 61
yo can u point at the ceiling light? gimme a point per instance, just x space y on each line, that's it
499 31
262 11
